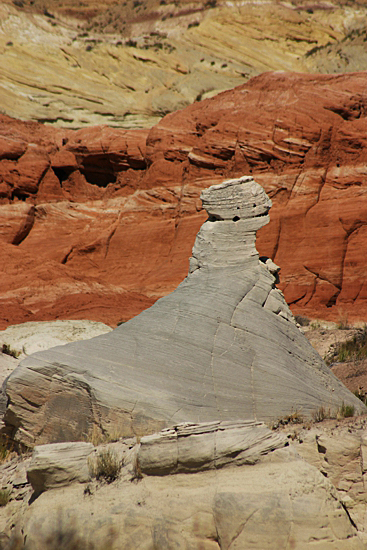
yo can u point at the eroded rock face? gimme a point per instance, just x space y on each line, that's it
110 225
278 503
223 346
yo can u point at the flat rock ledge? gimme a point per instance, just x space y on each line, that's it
223 346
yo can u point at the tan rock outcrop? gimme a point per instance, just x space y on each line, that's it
279 502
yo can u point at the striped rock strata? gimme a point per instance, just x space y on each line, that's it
223 346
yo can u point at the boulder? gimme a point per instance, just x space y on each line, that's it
222 346
58 465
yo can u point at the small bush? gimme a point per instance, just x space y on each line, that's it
361 394
301 320
107 466
354 349
295 417
319 415
7 350
4 497
4 453
346 411
343 324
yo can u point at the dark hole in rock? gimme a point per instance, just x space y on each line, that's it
332 300
100 175
16 194
235 219
61 173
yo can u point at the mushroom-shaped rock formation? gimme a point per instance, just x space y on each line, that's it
223 346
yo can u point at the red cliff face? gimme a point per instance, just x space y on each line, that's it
98 223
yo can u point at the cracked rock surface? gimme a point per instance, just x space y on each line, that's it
222 346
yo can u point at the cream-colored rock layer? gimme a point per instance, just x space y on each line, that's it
277 500
53 70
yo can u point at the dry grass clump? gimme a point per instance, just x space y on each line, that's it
106 466
321 414
295 417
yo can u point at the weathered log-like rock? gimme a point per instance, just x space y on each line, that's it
223 346
206 446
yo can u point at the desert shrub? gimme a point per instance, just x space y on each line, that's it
4 497
7 350
4 452
295 417
343 324
107 466
319 414
346 411
361 394
353 349
302 320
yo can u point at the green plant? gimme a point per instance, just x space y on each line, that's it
346 411
315 325
107 466
137 473
4 497
353 349
7 350
302 320
4 453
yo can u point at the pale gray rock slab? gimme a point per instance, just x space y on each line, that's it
223 346
59 464
195 447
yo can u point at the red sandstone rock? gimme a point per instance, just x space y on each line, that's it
119 209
